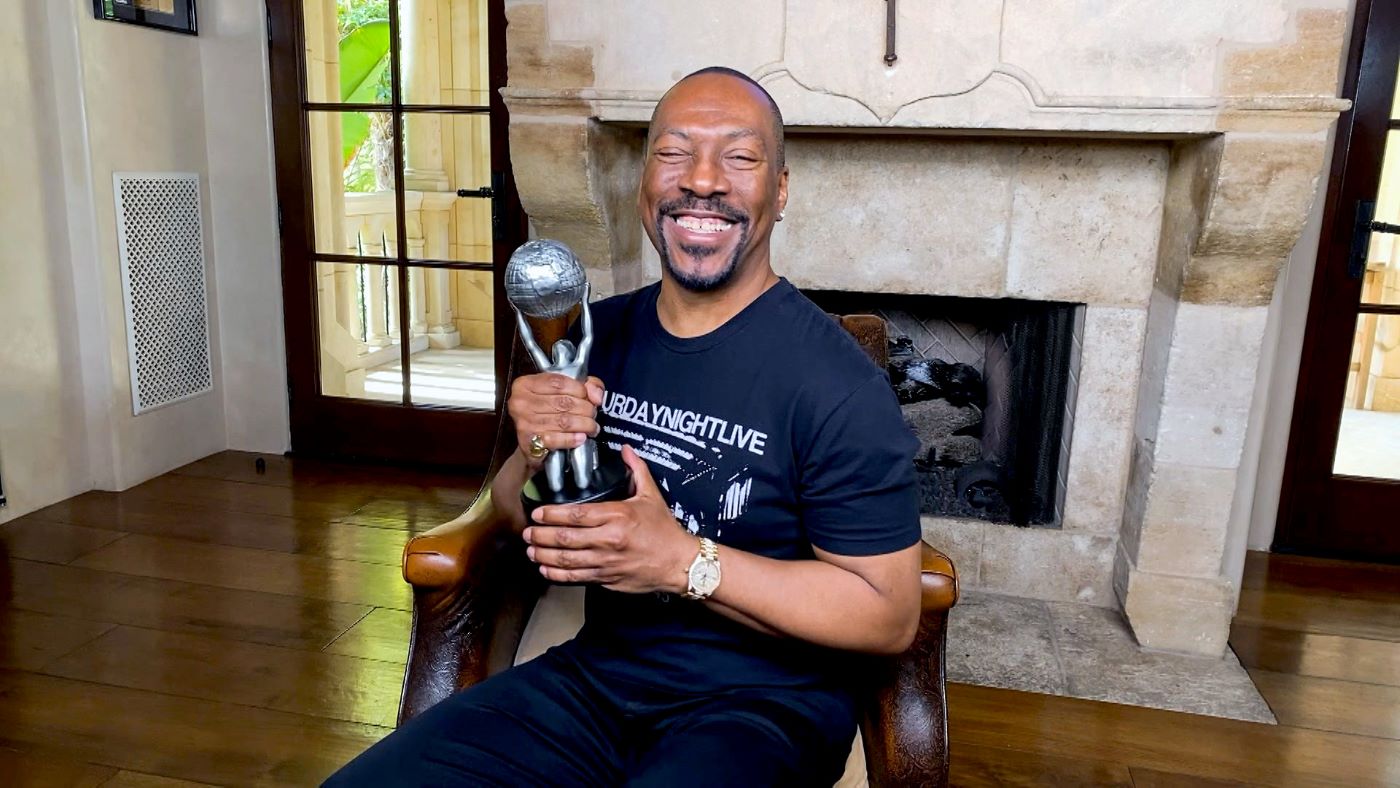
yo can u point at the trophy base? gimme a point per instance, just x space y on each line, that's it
612 481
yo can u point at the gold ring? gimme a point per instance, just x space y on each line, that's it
537 447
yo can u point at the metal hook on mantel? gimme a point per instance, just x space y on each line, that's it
891 16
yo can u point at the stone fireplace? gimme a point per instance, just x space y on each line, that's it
1146 167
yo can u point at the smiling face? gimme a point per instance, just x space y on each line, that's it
712 186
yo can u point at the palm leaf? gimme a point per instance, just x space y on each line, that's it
364 56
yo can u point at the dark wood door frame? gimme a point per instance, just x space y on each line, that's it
1321 513
336 426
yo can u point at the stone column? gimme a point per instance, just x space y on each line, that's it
377 307
392 305
332 371
442 333
327 169
347 291
423 167
1234 210
417 303
413 224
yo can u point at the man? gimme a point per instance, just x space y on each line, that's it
773 530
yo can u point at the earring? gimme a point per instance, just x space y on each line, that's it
782 215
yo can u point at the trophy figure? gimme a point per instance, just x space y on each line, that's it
544 281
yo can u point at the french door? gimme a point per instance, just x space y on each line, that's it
397 212
1341 489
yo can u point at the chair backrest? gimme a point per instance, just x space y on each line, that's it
869 332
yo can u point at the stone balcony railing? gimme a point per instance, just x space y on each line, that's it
362 331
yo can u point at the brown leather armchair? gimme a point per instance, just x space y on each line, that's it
474 591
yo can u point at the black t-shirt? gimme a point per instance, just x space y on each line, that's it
771 434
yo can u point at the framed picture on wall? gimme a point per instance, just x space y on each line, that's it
174 15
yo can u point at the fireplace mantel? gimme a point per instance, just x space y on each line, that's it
1002 106
1154 163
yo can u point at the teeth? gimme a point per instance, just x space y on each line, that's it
696 224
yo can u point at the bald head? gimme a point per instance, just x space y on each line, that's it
753 88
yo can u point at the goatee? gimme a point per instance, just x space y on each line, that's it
696 283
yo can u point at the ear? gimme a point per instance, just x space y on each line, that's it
642 181
782 189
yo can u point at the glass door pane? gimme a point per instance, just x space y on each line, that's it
352 183
469 160
453 355
446 55
448 187
347 51
1368 443
1381 281
357 328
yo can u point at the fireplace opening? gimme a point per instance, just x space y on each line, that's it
988 387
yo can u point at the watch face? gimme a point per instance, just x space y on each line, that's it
704 576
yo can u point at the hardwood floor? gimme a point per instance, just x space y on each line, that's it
221 625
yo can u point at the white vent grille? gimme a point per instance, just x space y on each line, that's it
161 242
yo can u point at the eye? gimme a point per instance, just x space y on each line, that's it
743 159
671 154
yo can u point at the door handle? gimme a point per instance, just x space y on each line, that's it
1361 236
493 192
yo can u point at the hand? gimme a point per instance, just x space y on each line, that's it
634 546
561 410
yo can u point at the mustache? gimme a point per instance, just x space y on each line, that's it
709 204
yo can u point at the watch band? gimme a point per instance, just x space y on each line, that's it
709 552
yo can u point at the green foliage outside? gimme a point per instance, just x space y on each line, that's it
364 79
351 14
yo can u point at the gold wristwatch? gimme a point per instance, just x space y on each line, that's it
704 571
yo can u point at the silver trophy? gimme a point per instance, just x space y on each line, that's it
544 281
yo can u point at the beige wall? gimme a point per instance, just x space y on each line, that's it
94 98
242 211
143 101
43 445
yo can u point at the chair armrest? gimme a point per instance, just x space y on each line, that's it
440 558
905 730
473 590
938 580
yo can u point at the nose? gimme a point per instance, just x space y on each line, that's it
705 176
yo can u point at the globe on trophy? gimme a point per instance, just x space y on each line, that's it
544 281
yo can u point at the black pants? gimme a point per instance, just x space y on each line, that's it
553 722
